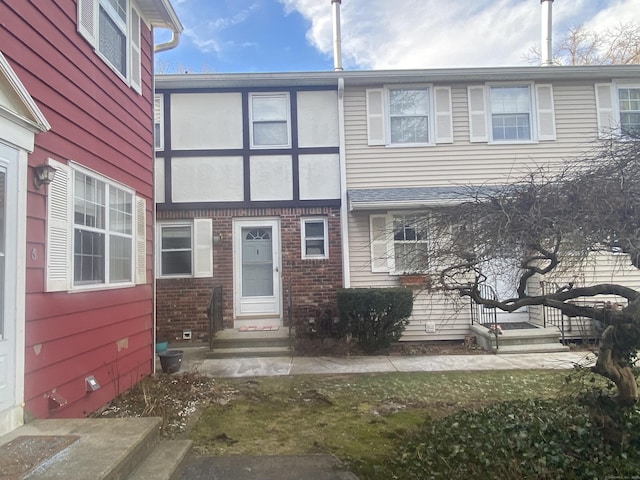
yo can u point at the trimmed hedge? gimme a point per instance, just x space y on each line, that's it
375 317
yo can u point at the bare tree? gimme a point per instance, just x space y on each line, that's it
555 220
582 46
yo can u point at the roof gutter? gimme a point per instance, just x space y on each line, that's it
173 43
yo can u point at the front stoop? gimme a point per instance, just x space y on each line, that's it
231 343
106 449
530 340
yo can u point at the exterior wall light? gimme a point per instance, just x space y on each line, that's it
43 175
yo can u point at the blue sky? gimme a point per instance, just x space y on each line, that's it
296 35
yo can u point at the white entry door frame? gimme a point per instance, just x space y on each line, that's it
12 285
257 285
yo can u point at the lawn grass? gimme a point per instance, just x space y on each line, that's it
361 419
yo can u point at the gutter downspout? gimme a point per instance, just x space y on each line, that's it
160 47
344 210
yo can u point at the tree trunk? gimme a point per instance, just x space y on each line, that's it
613 361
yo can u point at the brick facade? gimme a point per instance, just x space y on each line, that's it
181 304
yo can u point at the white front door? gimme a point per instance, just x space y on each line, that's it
8 280
503 276
257 271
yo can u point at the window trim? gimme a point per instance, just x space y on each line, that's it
201 247
161 225
107 284
304 238
287 98
533 113
430 114
616 106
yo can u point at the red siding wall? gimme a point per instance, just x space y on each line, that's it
101 123
181 303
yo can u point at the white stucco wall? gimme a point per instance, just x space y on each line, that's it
271 177
318 119
319 176
197 179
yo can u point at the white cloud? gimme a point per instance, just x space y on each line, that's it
380 34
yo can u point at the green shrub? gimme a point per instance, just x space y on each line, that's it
530 439
375 317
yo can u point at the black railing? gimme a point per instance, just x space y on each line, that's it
484 315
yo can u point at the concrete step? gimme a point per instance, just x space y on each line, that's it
246 352
529 340
164 462
105 449
533 348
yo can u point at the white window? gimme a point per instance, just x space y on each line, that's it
618 108
96 231
629 103
409 115
103 232
269 115
315 243
158 122
176 251
399 242
185 248
112 27
511 113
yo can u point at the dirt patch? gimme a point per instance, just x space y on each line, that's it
178 399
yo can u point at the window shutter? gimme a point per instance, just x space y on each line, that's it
605 110
202 247
477 114
375 116
135 57
59 229
381 239
546 113
88 20
443 121
158 114
141 240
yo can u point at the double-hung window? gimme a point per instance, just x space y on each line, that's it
185 249
629 103
510 113
399 242
414 115
96 231
314 238
618 109
112 27
103 240
176 250
408 115
270 120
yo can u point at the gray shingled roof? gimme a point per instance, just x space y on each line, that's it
368 198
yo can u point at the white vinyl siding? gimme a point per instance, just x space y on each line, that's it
96 235
112 27
409 115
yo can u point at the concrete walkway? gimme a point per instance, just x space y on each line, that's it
281 366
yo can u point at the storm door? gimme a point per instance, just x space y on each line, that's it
257 269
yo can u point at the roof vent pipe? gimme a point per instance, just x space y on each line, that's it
337 47
545 47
